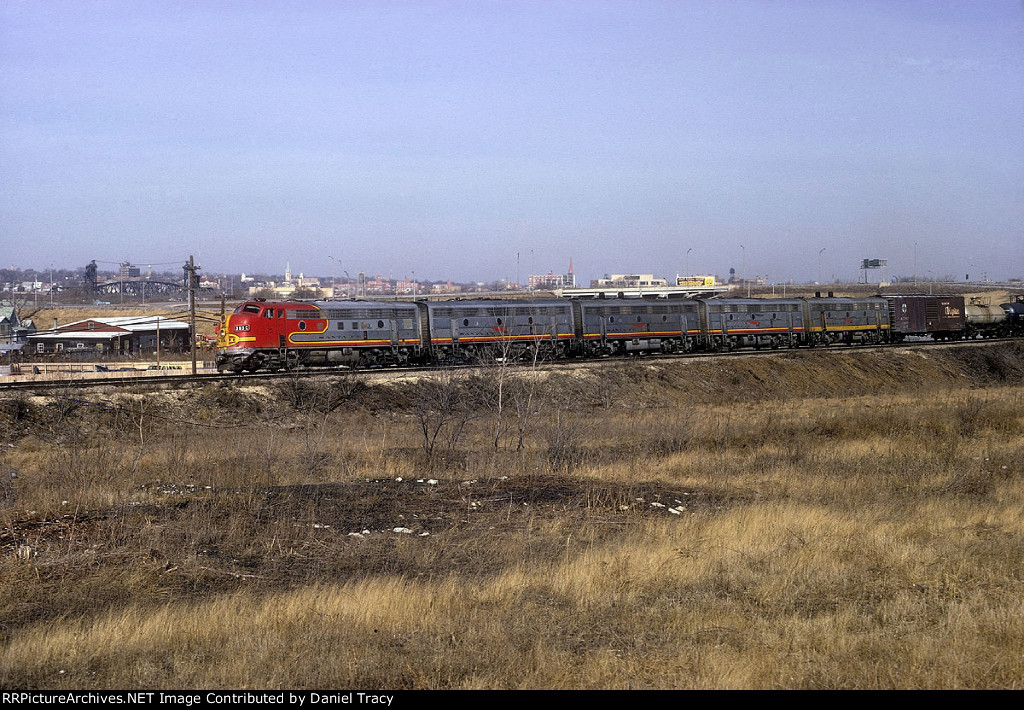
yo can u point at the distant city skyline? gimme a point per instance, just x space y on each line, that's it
542 280
472 141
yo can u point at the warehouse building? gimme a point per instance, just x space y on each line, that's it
128 335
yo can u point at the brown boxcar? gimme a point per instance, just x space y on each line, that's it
940 317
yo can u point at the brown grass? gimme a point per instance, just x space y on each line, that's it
626 531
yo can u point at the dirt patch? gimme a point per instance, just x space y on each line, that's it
194 541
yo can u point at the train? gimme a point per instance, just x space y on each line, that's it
278 335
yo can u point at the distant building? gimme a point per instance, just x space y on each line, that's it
128 335
628 281
13 330
552 281
548 281
407 287
378 285
446 287
128 271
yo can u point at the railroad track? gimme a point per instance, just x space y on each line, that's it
70 381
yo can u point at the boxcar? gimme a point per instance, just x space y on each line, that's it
938 317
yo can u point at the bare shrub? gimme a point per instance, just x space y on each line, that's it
443 406
228 397
565 431
304 392
179 462
975 484
8 480
315 425
17 413
77 463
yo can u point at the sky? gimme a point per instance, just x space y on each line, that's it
485 140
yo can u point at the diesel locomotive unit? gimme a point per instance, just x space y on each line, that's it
277 335
461 331
620 326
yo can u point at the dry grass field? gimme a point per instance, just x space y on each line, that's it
836 519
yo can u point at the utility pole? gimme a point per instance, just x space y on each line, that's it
191 279
915 266
743 265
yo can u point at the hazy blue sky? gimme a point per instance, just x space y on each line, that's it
443 138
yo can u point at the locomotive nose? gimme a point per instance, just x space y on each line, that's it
226 338
222 332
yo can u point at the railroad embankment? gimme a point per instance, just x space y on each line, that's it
829 373
798 374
